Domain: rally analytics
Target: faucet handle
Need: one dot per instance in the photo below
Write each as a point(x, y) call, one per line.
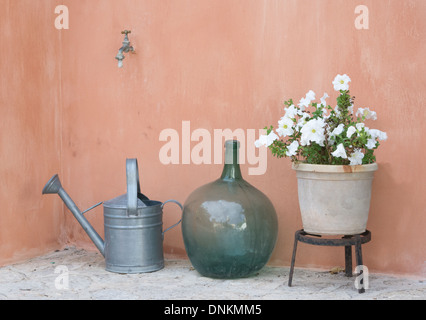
point(126, 32)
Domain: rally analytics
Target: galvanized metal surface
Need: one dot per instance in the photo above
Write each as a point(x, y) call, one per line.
point(133, 226)
point(54, 186)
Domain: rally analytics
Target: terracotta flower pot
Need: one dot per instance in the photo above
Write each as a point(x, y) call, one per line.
point(334, 199)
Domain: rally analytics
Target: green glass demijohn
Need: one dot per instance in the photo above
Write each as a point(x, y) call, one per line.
point(229, 227)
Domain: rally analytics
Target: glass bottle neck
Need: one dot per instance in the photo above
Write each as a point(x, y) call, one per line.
point(231, 169)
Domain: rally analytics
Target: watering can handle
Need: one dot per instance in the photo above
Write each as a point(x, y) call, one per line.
point(133, 186)
point(181, 207)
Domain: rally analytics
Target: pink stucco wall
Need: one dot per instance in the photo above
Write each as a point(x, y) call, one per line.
point(30, 129)
point(219, 64)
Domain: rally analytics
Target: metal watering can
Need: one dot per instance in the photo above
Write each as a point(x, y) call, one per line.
point(133, 226)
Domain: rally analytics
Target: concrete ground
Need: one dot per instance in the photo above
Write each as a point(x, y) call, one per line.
point(75, 274)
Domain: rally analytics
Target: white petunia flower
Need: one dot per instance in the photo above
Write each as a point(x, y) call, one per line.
point(266, 140)
point(371, 143)
point(306, 101)
point(356, 157)
point(323, 103)
point(260, 142)
point(291, 111)
point(332, 135)
point(367, 113)
point(285, 127)
point(310, 95)
point(271, 138)
point(359, 126)
point(325, 96)
point(340, 152)
point(338, 130)
point(341, 82)
point(313, 131)
point(350, 132)
point(337, 111)
point(304, 118)
point(292, 149)
point(382, 136)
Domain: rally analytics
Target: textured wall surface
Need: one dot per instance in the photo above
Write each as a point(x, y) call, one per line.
point(30, 129)
point(217, 64)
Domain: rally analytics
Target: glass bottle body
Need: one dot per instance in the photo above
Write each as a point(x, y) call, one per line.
point(229, 227)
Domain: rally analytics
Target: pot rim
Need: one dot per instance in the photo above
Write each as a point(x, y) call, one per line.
point(302, 166)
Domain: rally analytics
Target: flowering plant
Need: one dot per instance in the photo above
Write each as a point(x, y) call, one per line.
point(316, 133)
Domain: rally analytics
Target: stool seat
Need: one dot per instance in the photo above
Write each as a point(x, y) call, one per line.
point(346, 241)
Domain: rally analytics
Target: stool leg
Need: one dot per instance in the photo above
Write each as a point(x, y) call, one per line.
point(293, 259)
point(358, 252)
point(348, 258)
point(348, 261)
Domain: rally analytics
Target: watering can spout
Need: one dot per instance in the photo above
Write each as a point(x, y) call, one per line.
point(54, 186)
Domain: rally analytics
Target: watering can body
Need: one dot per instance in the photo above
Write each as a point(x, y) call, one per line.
point(133, 226)
point(133, 243)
